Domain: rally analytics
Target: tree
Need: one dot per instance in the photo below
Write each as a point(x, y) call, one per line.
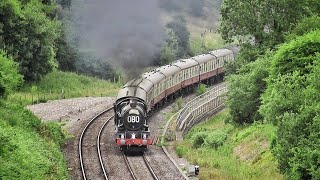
point(169, 49)
point(262, 23)
point(9, 75)
point(291, 102)
point(66, 55)
point(28, 33)
point(179, 27)
point(245, 89)
point(93, 66)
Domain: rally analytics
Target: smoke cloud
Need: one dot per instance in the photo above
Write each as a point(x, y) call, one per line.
point(126, 33)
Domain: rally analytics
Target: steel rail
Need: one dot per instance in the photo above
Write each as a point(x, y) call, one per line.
point(81, 138)
point(150, 168)
point(129, 167)
point(99, 150)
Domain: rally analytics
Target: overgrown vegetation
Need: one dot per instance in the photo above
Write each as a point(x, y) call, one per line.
point(60, 85)
point(9, 74)
point(202, 88)
point(292, 102)
point(29, 149)
point(177, 44)
point(190, 29)
point(225, 151)
point(278, 86)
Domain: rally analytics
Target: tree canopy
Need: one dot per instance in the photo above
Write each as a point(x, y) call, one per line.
point(263, 23)
point(9, 75)
point(28, 32)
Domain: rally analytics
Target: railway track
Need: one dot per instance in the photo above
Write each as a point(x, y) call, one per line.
point(138, 165)
point(90, 139)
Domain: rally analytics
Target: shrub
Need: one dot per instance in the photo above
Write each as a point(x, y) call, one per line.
point(9, 75)
point(216, 138)
point(292, 102)
point(202, 88)
point(245, 90)
point(198, 139)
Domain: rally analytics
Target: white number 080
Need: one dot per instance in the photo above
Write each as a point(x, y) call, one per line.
point(133, 119)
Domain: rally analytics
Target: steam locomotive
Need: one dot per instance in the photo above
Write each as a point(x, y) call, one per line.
point(140, 96)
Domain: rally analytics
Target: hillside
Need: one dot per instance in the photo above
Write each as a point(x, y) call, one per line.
point(63, 85)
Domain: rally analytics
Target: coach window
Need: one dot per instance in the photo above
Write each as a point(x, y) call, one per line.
point(192, 71)
point(172, 80)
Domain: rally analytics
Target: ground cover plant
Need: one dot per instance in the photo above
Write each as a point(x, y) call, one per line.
point(29, 148)
point(225, 151)
point(60, 85)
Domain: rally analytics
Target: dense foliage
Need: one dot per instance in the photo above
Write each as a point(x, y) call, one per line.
point(28, 32)
point(293, 63)
point(89, 64)
point(265, 22)
point(177, 41)
point(9, 75)
point(225, 151)
point(245, 89)
point(29, 149)
point(280, 86)
point(292, 102)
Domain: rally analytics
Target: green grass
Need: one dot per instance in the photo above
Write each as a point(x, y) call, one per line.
point(208, 42)
point(29, 149)
point(59, 85)
point(224, 151)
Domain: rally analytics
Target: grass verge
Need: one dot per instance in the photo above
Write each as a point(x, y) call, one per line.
point(61, 85)
point(225, 151)
point(29, 149)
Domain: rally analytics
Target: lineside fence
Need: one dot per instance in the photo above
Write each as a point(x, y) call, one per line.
point(201, 107)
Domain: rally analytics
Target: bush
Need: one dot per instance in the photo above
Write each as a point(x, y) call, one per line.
point(202, 88)
point(9, 75)
point(291, 65)
point(198, 139)
point(245, 89)
point(215, 138)
point(292, 102)
point(296, 55)
point(305, 26)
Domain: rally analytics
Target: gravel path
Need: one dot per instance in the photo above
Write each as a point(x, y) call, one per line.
point(73, 112)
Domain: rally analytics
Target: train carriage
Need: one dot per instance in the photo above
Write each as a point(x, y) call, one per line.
point(139, 96)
